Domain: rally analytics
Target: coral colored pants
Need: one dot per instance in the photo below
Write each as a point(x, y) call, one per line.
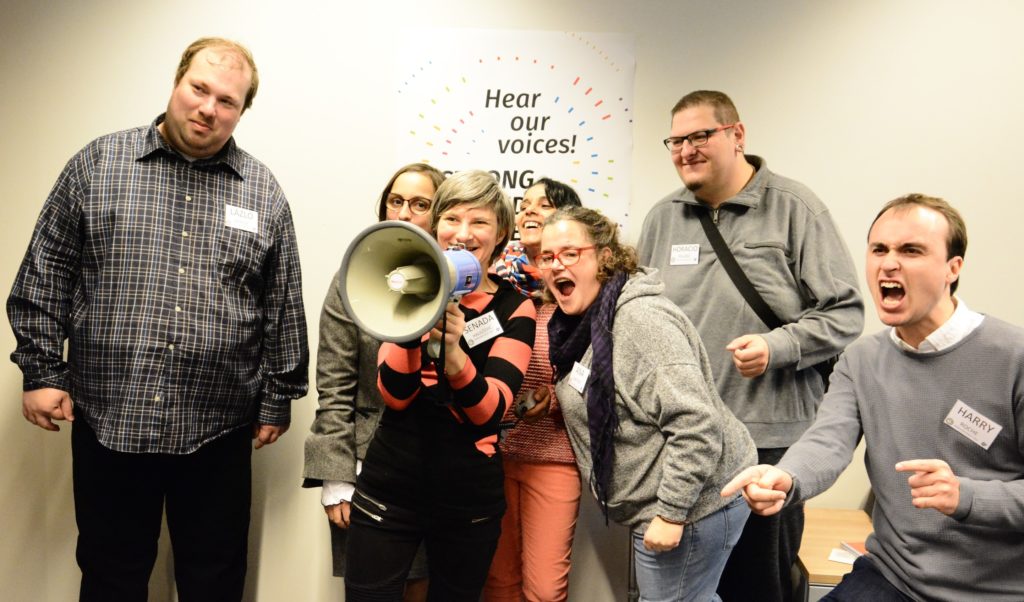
point(532, 561)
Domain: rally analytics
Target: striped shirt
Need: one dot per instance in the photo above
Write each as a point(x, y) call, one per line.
point(442, 453)
point(177, 287)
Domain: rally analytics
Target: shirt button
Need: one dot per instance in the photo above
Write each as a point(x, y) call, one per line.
point(188, 197)
point(184, 233)
point(181, 270)
point(177, 308)
point(171, 346)
point(157, 398)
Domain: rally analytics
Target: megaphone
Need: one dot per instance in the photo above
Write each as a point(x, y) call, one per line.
point(395, 280)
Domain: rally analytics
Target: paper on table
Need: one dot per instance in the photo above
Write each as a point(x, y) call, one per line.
point(843, 556)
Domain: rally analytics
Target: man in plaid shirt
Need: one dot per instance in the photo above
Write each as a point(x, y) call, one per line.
point(166, 257)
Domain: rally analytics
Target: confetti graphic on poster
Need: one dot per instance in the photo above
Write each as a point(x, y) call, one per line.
point(522, 105)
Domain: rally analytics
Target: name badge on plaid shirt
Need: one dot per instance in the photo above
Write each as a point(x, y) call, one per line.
point(241, 219)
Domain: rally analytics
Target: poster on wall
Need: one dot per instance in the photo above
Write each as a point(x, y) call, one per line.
point(522, 105)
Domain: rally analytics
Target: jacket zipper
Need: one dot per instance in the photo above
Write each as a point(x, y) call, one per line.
point(379, 505)
point(714, 216)
point(375, 517)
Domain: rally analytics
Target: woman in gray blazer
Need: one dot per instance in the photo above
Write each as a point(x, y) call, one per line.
point(346, 379)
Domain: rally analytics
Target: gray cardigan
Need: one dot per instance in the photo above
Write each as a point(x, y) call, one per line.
point(677, 444)
point(350, 404)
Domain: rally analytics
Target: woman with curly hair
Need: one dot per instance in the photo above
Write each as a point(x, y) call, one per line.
point(651, 434)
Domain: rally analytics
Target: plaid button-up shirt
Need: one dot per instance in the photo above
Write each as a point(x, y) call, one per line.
point(177, 287)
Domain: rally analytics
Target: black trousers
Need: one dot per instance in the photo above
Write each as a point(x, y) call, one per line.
point(383, 540)
point(760, 566)
point(119, 504)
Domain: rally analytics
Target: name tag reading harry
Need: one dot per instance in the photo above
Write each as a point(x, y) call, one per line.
point(241, 219)
point(578, 377)
point(481, 329)
point(969, 423)
point(684, 255)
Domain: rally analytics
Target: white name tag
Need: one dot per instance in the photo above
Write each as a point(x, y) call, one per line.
point(969, 423)
point(685, 255)
point(241, 219)
point(481, 329)
point(578, 377)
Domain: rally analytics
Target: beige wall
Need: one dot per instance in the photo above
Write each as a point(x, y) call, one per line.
point(862, 101)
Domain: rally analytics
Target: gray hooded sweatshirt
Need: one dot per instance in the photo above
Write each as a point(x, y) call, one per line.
point(677, 444)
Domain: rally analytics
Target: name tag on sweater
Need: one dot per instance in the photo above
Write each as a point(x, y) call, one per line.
point(241, 219)
point(481, 329)
point(578, 377)
point(684, 255)
point(969, 423)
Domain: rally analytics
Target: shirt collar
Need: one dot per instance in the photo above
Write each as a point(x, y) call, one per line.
point(962, 323)
point(229, 157)
point(749, 196)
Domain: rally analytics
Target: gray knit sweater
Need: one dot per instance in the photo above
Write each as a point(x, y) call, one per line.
point(677, 444)
point(900, 401)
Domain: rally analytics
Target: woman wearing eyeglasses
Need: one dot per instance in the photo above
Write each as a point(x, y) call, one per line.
point(651, 434)
point(433, 472)
point(542, 484)
point(346, 378)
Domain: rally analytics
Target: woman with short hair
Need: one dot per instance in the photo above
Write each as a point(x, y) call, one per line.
point(433, 472)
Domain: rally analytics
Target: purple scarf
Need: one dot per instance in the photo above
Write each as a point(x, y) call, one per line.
point(569, 337)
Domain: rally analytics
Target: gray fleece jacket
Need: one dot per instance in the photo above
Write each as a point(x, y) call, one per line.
point(787, 244)
point(677, 444)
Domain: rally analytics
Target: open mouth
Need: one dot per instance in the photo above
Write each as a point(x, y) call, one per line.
point(565, 286)
point(531, 225)
point(892, 293)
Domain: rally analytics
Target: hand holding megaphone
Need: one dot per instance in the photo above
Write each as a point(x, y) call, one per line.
point(450, 329)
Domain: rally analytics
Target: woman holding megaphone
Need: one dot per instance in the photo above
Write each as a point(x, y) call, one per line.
point(432, 472)
point(346, 378)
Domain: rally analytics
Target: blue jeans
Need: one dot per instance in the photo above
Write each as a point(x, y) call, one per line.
point(690, 571)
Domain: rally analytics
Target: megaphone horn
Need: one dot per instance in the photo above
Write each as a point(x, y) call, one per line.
point(395, 280)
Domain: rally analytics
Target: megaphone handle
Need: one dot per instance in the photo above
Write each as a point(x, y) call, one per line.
point(444, 391)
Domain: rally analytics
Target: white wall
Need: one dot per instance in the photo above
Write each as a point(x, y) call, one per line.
point(862, 101)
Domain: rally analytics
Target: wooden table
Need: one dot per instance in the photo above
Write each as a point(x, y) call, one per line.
point(824, 529)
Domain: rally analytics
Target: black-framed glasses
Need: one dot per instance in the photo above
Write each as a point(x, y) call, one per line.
point(696, 139)
point(417, 205)
point(566, 257)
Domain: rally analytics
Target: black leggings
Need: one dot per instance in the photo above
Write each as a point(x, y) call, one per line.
point(383, 540)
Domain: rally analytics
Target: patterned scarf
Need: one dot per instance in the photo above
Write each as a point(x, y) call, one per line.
point(515, 267)
point(569, 338)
